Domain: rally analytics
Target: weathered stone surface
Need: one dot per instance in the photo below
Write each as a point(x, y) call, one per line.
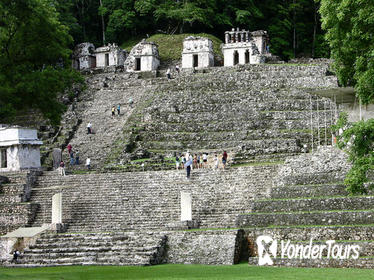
point(56, 157)
point(151, 200)
point(204, 247)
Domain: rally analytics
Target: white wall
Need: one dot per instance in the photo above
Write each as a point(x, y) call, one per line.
point(149, 63)
point(204, 60)
point(228, 56)
point(22, 157)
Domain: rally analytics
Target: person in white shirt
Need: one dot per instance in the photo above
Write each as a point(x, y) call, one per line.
point(216, 161)
point(89, 128)
point(88, 163)
point(205, 160)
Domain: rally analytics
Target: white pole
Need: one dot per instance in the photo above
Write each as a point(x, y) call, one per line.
point(324, 106)
point(359, 100)
point(311, 120)
point(319, 141)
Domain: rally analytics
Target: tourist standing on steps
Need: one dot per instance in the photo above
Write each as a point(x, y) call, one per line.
point(88, 163)
point(113, 111)
point(69, 147)
point(72, 159)
point(177, 68)
point(131, 102)
point(215, 161)
point(62, 168)
point(168, 74)
point(224, 159)
point(119, 109)
point(205, 160)
point(177, 161)
point(77, 157)
point(188, 167)
point(89, 128)
point(183, 161)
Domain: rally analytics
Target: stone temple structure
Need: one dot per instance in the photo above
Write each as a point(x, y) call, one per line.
point(110, 55)
point(143, 57)
point(244, 47)
point(84, 56)
point(197, 52)
point(19, 149)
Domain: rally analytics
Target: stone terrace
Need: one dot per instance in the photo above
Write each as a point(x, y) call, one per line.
point(259, 112)
point(310, 201)
point(150, 200)
point(104, 90)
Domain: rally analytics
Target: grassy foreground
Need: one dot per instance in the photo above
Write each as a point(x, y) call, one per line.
point(241, 271)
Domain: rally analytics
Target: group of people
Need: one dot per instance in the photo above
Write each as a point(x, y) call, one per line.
point(118, 107)
point(74, 160)
point(118, 110)
point(198, 161)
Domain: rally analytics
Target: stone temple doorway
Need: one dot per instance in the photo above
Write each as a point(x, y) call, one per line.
point(246, 54)
point(236, 57)
point(195, 60)
point(3, 158)
point(137, 64)
point(107, 59)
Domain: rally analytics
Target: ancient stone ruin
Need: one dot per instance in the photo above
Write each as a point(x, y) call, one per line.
point(143, 57)
point(110, 55)
point(84, 56)
point(19, 149)
point(197, 52)
point(244, 47)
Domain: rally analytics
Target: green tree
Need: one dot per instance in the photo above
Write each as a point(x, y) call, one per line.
point(349, 29)
point(34, 59)
point(357, 140)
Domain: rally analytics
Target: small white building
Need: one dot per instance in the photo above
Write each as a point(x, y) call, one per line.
point(19, 148)
point(84, 56)
point(197, 52)
point(143, 57)
point(244, 47)
point(110, 55)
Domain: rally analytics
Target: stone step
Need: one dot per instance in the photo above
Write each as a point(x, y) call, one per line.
point(6, 199)
point(310, 204)
point(353, 217)
point(337, 189)
point(364, 232)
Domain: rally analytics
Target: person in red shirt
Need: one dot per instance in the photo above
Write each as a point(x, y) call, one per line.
point(69, 147)
point(224, 159)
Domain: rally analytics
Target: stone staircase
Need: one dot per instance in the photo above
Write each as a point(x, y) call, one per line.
point(104, 91)
point(310, 201)
point(261, 113)
point(15, 210)
point(121, 248)
point(150, 200)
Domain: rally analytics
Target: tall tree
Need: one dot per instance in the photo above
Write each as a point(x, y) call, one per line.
point(34, 58)
point(349, 29)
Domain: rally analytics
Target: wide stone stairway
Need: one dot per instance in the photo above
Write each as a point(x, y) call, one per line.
point(150, 200)
point(309, 201)
point(259, 113)
point(121, 248)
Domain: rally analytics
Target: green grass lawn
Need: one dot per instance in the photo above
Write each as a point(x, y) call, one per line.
point(241, 271)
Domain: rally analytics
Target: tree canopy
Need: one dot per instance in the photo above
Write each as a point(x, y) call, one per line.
point(349, 29)
point(34, 58)
point(294, 26)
